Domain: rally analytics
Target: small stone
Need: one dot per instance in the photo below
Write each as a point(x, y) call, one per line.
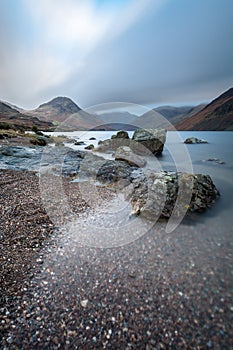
point(84, 303)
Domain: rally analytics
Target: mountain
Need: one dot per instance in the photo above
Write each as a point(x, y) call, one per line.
point(58, 109)
point(176, 114)
point(217, 115)
point(19, 109)
point(9, 116)
point(165, 116)
point(64, 112)
point(118, 120)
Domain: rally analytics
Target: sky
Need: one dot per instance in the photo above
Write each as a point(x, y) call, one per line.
point(148, 52)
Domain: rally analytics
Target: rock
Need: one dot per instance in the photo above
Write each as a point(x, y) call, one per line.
point(121, 135)
point(147, 141)
point(90, 147)
point(126, 154)
point(30, 158)
point(111, 145)
point(84, 303)
point(154, 195)
point(193, 140)
point(116, 141)
point(90, 165)
point(215, 160)
point(79, 143)
point(92, 138)
point(39, 141)
point(113, 171)
point(19, 151)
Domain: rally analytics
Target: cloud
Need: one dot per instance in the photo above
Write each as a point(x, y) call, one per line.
point(59, 38)
point(145, 51)
point(177, 56)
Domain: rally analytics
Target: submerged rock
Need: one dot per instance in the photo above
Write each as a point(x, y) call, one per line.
point(193, 140)
point(215, 160)
point(90, 147)
point(148, 141)
point(126, 154)
point(154, 195)
point(79, 143)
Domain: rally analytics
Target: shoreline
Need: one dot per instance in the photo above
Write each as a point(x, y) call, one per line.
point(162, 291)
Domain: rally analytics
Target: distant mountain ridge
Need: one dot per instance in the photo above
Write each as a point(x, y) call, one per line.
point(65, 114)
point(176, 114)
point(217, 115)
point(12, 117)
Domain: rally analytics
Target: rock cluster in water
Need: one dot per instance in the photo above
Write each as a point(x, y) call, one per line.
point(151, 194)
point(193, 140)
point(143, 142)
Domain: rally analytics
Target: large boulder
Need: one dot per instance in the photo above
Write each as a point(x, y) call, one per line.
point(147, 141)
point(126, 154)
point(154, 195)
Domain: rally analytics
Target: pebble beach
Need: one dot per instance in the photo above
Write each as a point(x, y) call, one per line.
point(162, 291)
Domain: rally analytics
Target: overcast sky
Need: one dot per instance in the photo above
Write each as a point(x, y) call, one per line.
point(148, 52)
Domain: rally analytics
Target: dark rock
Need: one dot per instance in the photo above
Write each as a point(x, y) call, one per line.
point(92, 138)
point(79, 143)
point(215, 160)
point(147, 141)
point(121, 135)
point(113, 171)
point(90, 147)
point(193, 140)
point(39, 141)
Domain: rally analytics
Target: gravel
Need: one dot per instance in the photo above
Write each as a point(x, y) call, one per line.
point(162, 291)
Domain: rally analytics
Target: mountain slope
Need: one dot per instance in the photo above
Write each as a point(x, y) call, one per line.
point(68, 115)
point(217, 115)
point(176, 114)
point(12, 117)
point(165, 116)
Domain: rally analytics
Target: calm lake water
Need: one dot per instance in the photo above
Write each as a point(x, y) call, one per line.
point(178, 156)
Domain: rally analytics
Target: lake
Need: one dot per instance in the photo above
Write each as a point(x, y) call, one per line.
point(178, 156)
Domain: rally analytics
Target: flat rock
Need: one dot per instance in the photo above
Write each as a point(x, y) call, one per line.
point(126, 154)
point(111, 145)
